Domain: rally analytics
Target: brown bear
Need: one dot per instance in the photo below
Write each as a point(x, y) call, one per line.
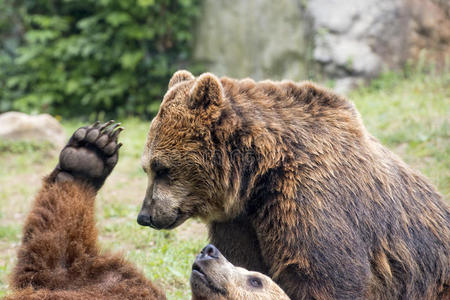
point(291, 184)
point(60, 258)
point(213, 277)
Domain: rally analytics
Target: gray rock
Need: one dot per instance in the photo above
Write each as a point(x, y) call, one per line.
point(342, 55)
point(18, 126)
point(346, 32)
point(334, 39)
point(255, 38)
point(345, 84)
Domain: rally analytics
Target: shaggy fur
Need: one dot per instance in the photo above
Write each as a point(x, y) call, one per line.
point(291, 184)
point(59, 257)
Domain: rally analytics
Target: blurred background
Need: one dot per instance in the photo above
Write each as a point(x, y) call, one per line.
point(64, 63)
point(79, 58)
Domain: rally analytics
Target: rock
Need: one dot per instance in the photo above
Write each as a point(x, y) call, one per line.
point(256, 38)
point(346, 84)
point(319, 39)
point(352, 36)
point(18, 126)
point(429, 29)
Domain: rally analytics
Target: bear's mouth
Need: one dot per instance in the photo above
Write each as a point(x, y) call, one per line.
point(196, 268)
point(198, 274)
point(180, 218)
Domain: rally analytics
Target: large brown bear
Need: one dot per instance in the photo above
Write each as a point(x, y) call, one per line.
point(291, 184)
point(60, 258)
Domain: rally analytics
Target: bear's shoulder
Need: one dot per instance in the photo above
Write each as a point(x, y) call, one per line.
point(285, 92)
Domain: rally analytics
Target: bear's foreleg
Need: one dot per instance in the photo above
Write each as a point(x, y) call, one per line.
point(59, 235)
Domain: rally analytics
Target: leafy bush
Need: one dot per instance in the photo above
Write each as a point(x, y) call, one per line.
point(101, 56)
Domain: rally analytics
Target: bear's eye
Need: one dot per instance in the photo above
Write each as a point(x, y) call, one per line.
point(163, 172)
point(159, 168)
point(255, 282)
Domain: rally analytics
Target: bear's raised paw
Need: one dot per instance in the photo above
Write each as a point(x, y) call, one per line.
point(90, 155)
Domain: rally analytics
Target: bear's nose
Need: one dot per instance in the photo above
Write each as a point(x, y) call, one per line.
point(144, 220)
point(210, 252)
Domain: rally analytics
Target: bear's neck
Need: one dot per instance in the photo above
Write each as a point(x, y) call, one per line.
point(281, 127)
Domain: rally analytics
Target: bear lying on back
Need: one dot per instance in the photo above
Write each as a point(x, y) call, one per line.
point(291, 184)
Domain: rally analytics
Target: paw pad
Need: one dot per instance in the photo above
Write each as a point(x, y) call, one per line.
point(91, 153)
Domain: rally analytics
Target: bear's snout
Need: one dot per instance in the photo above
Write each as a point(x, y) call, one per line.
point(208, 258)
point(209, 252)
point(144, 220)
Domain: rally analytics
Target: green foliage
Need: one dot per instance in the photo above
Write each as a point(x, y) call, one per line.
point(110, 57)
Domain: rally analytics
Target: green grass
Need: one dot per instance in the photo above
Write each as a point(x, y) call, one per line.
point(23, 147)
point(9, 232)
point(409, 114)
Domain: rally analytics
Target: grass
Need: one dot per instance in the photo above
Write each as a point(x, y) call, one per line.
point(408, 113)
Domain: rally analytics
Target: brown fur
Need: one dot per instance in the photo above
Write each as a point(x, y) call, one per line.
point(292, 184)
point(59, 257)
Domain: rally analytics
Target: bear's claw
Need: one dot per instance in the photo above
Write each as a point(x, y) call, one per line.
point(90, 155)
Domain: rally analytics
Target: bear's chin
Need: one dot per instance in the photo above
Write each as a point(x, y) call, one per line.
point(202, 286)
point(144, 219)
point(179, 219)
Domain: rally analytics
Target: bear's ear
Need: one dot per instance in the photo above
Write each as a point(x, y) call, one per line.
point(207, 90)
point(180, 76)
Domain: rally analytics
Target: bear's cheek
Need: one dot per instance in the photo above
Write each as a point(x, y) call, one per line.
point(164, 206)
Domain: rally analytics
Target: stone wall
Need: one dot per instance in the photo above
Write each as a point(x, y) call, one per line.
point(347, 41)
point(254, 38)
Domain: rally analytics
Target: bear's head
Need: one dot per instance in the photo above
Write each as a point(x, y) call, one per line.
point(214, 277)
point(185, 156)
